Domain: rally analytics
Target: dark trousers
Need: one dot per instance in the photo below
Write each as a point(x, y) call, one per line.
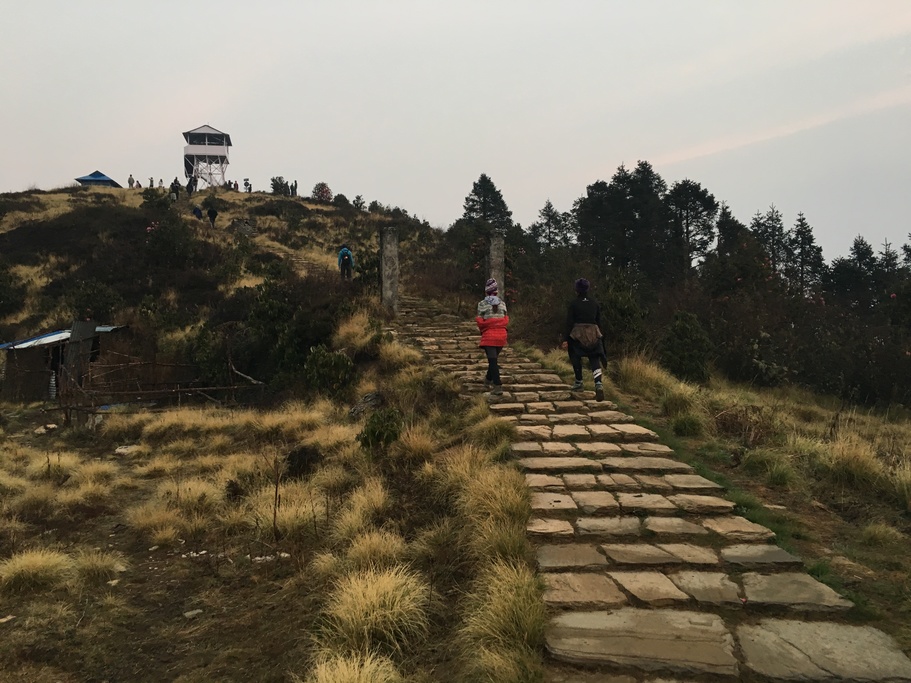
point(346, 271)
point(594, 360)
point(493, 369)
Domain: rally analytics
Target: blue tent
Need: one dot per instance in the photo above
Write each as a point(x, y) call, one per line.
point(98, 178)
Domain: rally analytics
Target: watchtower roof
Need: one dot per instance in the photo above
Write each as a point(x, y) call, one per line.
point(207, 135)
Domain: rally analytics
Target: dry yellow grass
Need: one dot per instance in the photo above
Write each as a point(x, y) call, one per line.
point(352, 668)
point(504, 624)
point(98, 566)
point(638, 375)
point(490, 431)
point(415, 445)
point(36, 502)
point(376, 610)
point(881, 534)
point(364, 506)
point(35, 570)
point(299, 516)
point(376, 549)
point(191, 495)
point(53, 466)
point(394, 355)
point(354, 334)
point(154, 518)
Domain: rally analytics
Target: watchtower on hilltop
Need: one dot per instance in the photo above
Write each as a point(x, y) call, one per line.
point(206, 154)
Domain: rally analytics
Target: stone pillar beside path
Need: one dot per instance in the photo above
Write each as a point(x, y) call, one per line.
point(498, 260)
point(389, 268)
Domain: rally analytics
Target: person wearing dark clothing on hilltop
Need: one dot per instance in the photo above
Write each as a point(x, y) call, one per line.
point(345, 262)
point(582, 337)
point(212, 214)
point(197, 212)
point(492, 320)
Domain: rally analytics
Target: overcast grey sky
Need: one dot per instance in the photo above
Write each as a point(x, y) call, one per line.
point(801, 103)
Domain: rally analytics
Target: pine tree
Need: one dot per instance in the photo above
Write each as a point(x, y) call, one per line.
point(485, 205)
point(769, 229)
point(552, 229)
point(806, 266)
point(730, 230)
point(693, 210)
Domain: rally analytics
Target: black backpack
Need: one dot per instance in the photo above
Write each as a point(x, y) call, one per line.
point(346, 258)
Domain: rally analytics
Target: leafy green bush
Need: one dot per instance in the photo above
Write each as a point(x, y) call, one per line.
point(94, 300)
point(327, 371)
point(170, 243)
point(382, 428)
point(686, 349)
point(687, 425)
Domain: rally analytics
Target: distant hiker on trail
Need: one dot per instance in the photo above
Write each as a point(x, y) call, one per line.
point(236, 186)
point(582, 337)
point(345, 262)
point(151, 182)
point(160, 183)
point(138, 185)
point(175, 190)
point(212, 214)
point(197, 212)
point(130, 181)
point(492, 321)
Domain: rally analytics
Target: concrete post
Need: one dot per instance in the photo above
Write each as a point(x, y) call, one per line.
point(389, 268)
point(498, 260)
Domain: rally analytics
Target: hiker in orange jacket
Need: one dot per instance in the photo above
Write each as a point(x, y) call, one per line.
point(492, 322)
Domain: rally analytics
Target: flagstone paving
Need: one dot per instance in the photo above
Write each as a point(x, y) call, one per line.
point(650, 574)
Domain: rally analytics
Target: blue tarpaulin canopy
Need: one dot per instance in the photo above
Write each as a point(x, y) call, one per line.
point(98, 178)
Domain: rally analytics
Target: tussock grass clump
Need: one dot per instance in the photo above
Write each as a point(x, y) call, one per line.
point(299, 515)
point(12, 530)
point(125, 426)
point(53, 466)
point(395, 355)
point(901, 481)
point(490, 431)
point(376, 610)
point(87, 494)
point(334, 479)
point(35, 570)
point(363, 508)
point(192, 495)
point(680, 400)
point(881, 534)
point(688, 424)
point(639, 375)
point(99, 471)
point(503, 625)
point(495, 506)
point(355, 335)
point(849, 461)
point(456, 467)
point(353, 668)
point(10, 483)
point(155, 519)
point(36, 502)
point(415, 445)
point(376, 549)
point(98, 566)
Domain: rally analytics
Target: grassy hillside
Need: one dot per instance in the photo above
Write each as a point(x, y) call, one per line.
point(310, 538)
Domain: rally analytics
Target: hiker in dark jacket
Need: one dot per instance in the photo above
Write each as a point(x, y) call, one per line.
point(582, 337)
point(345, 262)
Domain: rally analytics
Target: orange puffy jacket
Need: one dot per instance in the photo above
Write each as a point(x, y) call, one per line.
point(493, 331)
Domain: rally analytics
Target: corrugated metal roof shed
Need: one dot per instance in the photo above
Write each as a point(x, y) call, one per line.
point(51, 338)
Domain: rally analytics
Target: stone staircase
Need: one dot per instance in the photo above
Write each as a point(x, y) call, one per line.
point(648, 568)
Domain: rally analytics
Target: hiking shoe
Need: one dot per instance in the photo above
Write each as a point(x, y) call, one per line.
point(487, 384)
point(497, 390)
point(599, 391)
point(577, 385)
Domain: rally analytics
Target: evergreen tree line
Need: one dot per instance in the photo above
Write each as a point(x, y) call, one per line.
point(773, 310)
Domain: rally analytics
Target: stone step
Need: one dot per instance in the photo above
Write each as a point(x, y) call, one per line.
point(678, 483)
point(674, 641)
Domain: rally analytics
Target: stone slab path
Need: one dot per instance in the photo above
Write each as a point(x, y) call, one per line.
point(650, 574)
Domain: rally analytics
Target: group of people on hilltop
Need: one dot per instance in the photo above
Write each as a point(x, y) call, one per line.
point(582, 337)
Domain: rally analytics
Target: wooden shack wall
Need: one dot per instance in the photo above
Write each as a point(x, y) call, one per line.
point(27, 376)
